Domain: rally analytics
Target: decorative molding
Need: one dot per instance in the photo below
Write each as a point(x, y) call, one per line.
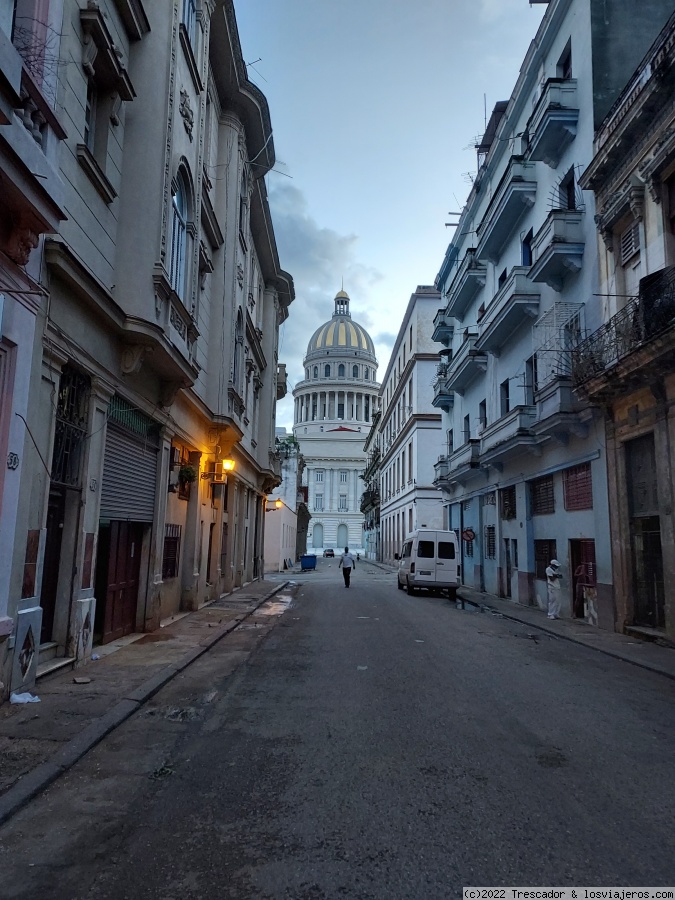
point(190, 59)
point(186, 112)
point(166, 206)
point(100, 55)
point(132, 358)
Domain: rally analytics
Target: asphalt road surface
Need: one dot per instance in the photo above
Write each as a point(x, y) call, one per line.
point(366, 744)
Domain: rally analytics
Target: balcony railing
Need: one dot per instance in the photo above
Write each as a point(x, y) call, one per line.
point(468, 280)
point(558, 247)
point(444, 328)
point(515, 303)
point(553, 124)
point(443, 398)
point(514, 195)
point(514, 425)
point(466, 364)
point(641, 320)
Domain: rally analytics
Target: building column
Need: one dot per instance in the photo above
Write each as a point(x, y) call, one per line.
point(191, 563)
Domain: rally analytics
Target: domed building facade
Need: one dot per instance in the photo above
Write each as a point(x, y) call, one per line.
point(334, 408)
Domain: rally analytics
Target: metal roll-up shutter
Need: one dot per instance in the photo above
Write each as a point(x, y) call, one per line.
point(129, 477)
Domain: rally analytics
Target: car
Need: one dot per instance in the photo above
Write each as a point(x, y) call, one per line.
point(329, 552)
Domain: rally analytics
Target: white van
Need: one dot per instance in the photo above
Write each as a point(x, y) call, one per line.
point(429, 559)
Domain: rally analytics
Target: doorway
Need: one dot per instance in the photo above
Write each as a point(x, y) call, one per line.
point(317, 537)
point(508, 568)
point(56, 514)
point(342, 537)
point(582, 559)
point(117, 579)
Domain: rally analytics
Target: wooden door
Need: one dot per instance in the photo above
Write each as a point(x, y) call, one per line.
point(122, 581)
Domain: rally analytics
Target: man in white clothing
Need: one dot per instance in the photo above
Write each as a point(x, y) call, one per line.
point(347, 564)
point(554, 590)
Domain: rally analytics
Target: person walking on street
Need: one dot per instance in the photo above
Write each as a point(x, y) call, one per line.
point(553, 588)
point(346, 564)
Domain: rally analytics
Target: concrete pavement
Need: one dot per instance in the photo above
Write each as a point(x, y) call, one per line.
point(40, 741)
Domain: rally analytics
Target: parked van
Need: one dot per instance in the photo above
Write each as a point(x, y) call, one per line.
point(429, 559)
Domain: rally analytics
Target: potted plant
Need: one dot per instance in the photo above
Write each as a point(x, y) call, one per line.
point(187, 474)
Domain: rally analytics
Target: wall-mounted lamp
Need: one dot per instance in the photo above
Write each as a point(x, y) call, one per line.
point(277, 505)
point(218, 471)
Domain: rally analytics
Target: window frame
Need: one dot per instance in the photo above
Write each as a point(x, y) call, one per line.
point(578, 496)
point(542, 496)
point(171, 551)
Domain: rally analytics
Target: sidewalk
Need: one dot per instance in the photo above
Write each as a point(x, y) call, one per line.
point(642, 653)
point(40, 741)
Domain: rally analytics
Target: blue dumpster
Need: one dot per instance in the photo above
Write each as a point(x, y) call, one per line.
point(308, 561)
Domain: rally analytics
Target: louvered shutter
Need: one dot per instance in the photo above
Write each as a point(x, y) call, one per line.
point(129, 477)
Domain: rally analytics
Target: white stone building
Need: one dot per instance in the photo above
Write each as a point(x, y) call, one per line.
point(334, 407)
point(411, 435)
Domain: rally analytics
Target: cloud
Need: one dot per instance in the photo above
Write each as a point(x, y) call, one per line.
point(318, 258)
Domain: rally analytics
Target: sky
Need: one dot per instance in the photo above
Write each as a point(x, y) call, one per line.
point(375, 106)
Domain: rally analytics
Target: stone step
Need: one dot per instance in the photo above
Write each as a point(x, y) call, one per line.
point(47, 651)
point(54, 665)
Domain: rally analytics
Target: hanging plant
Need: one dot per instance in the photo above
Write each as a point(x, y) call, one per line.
point(187, 474)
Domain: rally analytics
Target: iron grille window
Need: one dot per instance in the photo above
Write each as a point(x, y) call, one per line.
point(171, 551)
point(71, 427)
point(541, 492)
point(578, 487)
point(489, 499)
point(468, 548)
point(507, 502)
point(630, 243)
point(544, 552)
point(490, 542)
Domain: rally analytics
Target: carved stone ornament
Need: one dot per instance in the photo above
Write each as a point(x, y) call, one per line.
point(22, 240)
point(636, 198)
point(240, 275)
point(115, 109)
point(132, 358)
point(186, 112)
point(167, 393)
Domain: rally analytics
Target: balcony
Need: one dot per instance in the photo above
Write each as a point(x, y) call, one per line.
point(553, 124)
point(468, 280)
point(282, 381)
point(443, 398)
point(558, 248)
point(459, 467)
point(634, 347)
point(467, 363)
point(558, 411)
point(515, 194)
point(444, 329)
point(508, 437)
point(515, 303)
point(369, 500)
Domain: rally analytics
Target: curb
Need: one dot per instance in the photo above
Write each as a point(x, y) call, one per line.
point(573, 640)
point(39, 778)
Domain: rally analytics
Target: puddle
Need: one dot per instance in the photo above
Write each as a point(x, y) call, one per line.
point(276, 607)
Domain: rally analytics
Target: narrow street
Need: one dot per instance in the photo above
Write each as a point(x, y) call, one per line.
point(365, 744)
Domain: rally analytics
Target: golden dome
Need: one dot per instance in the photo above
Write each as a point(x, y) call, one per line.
point(341, 333)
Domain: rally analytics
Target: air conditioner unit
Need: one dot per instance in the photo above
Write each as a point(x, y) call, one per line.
point(215, 473)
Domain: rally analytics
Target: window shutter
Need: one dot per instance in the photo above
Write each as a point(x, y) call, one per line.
point(630, 243)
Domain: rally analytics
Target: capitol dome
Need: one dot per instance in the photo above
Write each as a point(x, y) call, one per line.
point(341, 334)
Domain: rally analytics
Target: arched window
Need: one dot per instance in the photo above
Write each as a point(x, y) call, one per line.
point(179, 217)
point(341, 371)
point(307, 372)
point(355, 372)
point(367, 373)
point(316, 371)
point(326, 371)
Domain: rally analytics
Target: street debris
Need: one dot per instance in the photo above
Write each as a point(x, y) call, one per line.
point(162, 772)
point(81, 679)
point(95, 657)
point(418, 641)
point(362, 668)
point(24, 698)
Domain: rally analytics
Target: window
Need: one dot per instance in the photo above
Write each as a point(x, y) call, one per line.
point(70, 434)
point(489, 499)
point(367, 373)
point(318, 503)
point(237, 363)
point(306, 373)
point(501, 280)
point(178, 236)
point(341, 411)
point(514, 552)
point(355, 371)
point(467, 429)
point(319, 474)
point(530, 379)
point(343, 503)
point(243, 208)
point(542, 496)
point(316, 371)
point(410, 461)
point(410, 341)
point(578, 487)
point(567, 191)
point(482, 414)
point(190, 19)
point(490, 542)
point(446, 550)
point(468, 548)
point(343, 477)
point(326, 371)
point(451, 442)
point(341, 371)
point(544, 552)
point(526, 249)
point(507, 502)
point(171, 555)
point(630, 242)
point(425, 550)
point(504, 399)
point(564, 67)
point(90, 116)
